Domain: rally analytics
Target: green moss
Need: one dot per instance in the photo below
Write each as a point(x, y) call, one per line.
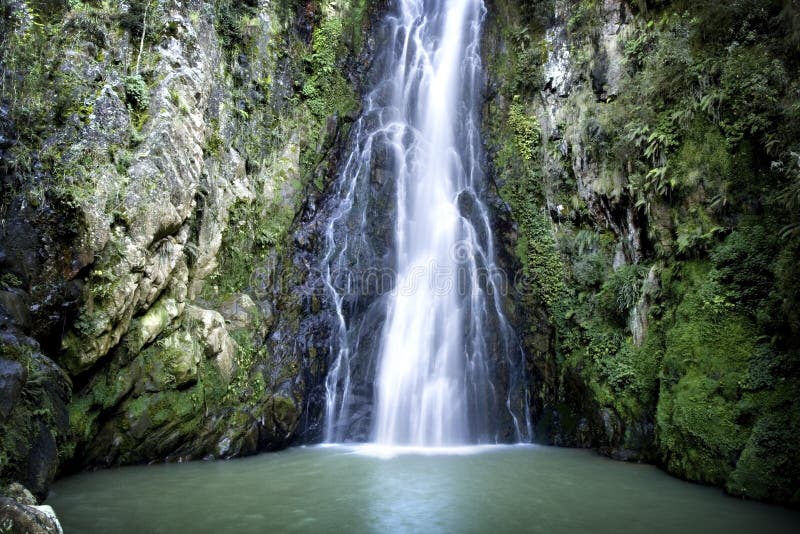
point(584, 19)
point(354, 22)
point(165, 407)
point(214, 142)
point(255, 229)
point(326, 91)
point(18, 431)
point(38, 406)
point(768, 466)
point(283, 409)
point(706, 361)
point(235, 22)
point(542, 262)
point(696, 149)
point(82, 417)
point(144, 329)
point(745, 265)
point(285, 147)
point(535, 246)
point(698, 430)
point(702, 159)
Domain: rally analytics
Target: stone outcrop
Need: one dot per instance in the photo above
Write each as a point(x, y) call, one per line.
point(615, 143)
point(143, 278)
point(17, 518)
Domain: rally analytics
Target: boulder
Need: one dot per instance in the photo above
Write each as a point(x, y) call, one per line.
point(209, 327)
point(239, 311)
point(13, 376)
point(18, 518)
point(20, 493)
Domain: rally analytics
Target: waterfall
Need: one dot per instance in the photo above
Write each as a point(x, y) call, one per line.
point(430, 360)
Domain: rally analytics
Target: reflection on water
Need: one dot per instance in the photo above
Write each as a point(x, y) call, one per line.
point(368, 489)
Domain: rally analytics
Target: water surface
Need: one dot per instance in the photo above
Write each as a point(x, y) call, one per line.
point(339, 489)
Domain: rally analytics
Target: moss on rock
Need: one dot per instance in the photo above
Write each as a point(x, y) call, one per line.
point(641, 190)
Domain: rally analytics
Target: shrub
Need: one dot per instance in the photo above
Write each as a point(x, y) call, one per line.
point(625, 285)
point(137, 92)
point(744, 262)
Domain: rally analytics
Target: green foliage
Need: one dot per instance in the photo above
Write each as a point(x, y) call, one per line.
point(584, 20)
point(542, 266)
point(255, 229)
point(696, 232)
point(535, 14)
point(698, 152)
point(324, 43)
point(39, 94)
point(134, 21)
point(630, 375)
point(751, 81)
point(625, 286)
point(526, 130)
point(82, 418)
point(745, 262)
point(706, 362)
point(702, 160)
point(589, 270)
point(38, 406)
point(527, 57)
point(137, 92)
point(784, 312)
point(667, 67)
point(246, 355)
point(238, 256)
point(10, 280)
point(542, 262)
point(769, 466)
point(697, 429)
point(325, 89)
point(518, 163)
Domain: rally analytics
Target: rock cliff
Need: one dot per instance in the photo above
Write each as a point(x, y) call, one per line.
point(155, 156)
point(166, 170)
point(645, 155)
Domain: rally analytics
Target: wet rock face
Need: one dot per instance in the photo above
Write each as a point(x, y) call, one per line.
point(619, 239)
point(608, 65)
point(155, 269)
point(558, 71)
point(578, 68)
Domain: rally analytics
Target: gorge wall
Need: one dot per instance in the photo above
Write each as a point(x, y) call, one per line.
point(647, 154)
point(155, 155)
point(166, 167)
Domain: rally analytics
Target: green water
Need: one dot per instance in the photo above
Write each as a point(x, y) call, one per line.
point(335, 489)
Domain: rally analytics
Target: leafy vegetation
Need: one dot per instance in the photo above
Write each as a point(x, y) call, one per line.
point(137, 92)
point(694, 154)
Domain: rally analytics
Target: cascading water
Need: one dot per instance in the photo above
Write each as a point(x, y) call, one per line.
point(430, 360)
